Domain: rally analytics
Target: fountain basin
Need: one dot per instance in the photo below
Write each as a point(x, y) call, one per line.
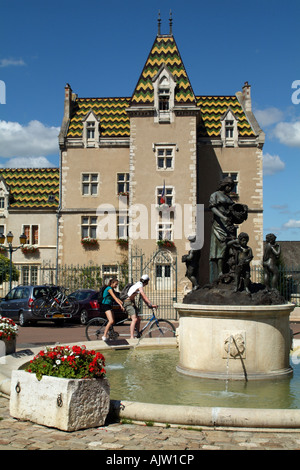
point(248, 342)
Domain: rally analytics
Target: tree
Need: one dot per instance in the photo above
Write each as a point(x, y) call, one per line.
point(4, 270)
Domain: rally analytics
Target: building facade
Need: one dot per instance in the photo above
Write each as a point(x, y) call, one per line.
point(28, 204)
point(141, 168)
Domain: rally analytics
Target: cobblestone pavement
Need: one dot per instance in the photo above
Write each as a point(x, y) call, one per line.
point(24, 435)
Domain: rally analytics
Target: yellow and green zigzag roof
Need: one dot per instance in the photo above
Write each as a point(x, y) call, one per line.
point(164, 52)
point(114, 120)
point(31, 187)
point(213, 108)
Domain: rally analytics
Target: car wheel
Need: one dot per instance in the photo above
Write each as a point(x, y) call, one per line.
point(22, 320)
point(84, 317)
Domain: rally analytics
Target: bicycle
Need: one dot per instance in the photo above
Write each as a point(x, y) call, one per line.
point(157, 327)
point(55, 303)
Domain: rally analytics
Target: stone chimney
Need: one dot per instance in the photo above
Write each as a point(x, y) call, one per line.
point(247, 97)
point(68, 101)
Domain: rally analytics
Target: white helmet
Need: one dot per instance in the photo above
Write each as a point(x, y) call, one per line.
point(145, 277)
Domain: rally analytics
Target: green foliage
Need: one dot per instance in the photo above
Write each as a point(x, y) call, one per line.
point(4, 270)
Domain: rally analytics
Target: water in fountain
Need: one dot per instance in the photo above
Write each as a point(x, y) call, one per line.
point(150, 376)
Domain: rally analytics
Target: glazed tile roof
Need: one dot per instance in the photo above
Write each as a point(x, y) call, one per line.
point(164, 51)
point(31, 187)
point(114, 121)
point(213, 108)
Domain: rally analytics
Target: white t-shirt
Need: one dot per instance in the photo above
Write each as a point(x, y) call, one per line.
point(135, 288)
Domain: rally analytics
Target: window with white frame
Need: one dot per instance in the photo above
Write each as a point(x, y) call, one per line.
point(165, 231)
point(89, 184)
point(229, 129)
point(108, 272)
point(91, 134)
point(123, 183)
point(165, 158)
point(2, 203)
point(90, 130)
point(88, 226)
point(167, 198)
point(32, 234)
point(29, 275)
point(164, 85)
point(123, 224)
point(235, 177)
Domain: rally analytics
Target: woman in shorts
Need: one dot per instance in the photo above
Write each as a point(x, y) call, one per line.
point(108, 299)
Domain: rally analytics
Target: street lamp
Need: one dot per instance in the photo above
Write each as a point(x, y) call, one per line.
point(9, 239)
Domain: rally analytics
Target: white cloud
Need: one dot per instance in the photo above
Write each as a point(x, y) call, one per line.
point(267, 117)
point(288, 133)
point(272, 164)
point(32, 140)
point(292, 223)
point(27, 162)
point(11, 63)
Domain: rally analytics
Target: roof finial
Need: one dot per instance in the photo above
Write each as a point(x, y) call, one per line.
point(159, 22)
point(171, 23)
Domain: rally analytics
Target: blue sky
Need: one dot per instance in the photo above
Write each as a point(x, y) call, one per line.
point(100, 49)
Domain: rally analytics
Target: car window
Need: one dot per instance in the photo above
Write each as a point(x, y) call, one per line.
point(11, 294)
point(81, 295)
point(19, 293)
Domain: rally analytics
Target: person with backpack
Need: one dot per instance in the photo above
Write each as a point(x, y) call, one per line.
point(130, 306)
point(108, 299)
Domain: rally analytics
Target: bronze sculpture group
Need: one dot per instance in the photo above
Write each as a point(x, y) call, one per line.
point(230, 255)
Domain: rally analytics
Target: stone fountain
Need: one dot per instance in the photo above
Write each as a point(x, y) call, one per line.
point(233, 328)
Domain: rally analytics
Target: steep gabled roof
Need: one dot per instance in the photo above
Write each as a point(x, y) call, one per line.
point(163, 52)
point(114, 121)
point(32, 187)
point(213, 108)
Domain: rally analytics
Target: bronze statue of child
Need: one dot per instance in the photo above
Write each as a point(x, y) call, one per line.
point(243, 256)
point(271, 254)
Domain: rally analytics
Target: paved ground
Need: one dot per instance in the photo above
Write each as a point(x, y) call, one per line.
point(115, 437)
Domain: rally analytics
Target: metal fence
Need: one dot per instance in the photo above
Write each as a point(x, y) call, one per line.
point(161, 267)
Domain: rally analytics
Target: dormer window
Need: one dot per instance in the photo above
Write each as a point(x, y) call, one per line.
point(91, 133)
point(164, 99)
point(229, 129)
point(90, 130)
point(164, 92)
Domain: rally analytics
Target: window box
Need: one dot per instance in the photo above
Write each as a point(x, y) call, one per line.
point(3, 249)
point(89, 242)
point(29, 249)
point(165, 244)
point(122, 242)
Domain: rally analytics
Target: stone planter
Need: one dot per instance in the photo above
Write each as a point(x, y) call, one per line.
point(65, 404)
point(7, 347)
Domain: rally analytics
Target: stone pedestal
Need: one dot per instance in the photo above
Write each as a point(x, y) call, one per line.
point(234, 342)
point(66, 404)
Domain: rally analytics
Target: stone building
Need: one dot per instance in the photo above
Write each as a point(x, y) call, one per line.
point(28, 204)
point(139, 165)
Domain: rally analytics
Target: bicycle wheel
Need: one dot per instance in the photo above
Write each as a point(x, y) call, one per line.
point(40, 306)
point(95, 328)
point(161, 328)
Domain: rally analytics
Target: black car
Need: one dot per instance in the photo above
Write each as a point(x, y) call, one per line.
point(89, 306)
